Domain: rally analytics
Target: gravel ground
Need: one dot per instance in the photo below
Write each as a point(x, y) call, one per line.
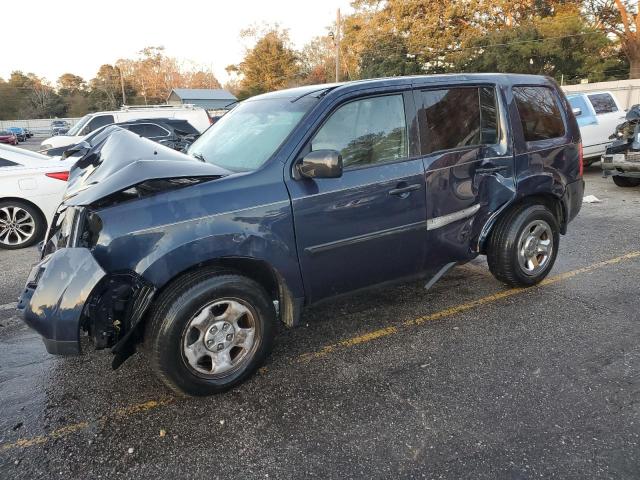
point(525, 384)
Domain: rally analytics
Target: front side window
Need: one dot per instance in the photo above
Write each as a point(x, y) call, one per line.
point(77, 127)
point(367, 131)
point(603, 103)
point(458, 117)
point(97, 122)
point(539, 113)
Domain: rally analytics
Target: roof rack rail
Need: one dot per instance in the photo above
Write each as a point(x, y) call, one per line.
point(156, 107)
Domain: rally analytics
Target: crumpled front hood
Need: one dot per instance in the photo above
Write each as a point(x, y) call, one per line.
point(122, 160)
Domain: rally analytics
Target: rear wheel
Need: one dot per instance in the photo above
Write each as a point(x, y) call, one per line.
point(209, 332)
point(625, 181)
point(21, 225)
point(524, 245)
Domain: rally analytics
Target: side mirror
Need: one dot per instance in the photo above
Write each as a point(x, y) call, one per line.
point(577, 112)
point(321, 164)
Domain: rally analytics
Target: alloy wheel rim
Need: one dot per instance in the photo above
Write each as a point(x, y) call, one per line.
point(17, 226)
point(220, 339)
point(535, 247)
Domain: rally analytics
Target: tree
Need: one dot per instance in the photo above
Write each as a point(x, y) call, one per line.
point(105, 89)
point(70, 83)
point(271, 64)
point(318, 60)
point(562, 45)
point(621, 19)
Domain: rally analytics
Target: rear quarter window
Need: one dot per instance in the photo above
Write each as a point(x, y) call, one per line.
point(539, 112)
point(603, 103)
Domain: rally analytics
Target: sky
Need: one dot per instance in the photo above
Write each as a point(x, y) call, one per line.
point(78, 36)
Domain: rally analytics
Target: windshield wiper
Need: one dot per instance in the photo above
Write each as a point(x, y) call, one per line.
point(199, 156)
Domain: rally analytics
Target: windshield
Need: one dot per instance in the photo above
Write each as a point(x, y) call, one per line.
point(247, 136)
point(78, 126)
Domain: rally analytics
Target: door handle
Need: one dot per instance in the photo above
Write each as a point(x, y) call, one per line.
point(404, 191)
point(490, 170)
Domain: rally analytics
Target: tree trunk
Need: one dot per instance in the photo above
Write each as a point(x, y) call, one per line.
point(634, 67)
point(633, 54)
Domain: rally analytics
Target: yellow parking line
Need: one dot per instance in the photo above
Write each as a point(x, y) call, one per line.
point(347, 343)
point(448, 312)
point(74, 427)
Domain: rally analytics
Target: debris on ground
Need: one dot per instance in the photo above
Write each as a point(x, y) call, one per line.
point(591, 199)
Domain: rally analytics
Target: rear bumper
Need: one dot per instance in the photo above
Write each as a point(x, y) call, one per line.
point(55, 294)
point(572, 200)
point(626, 164)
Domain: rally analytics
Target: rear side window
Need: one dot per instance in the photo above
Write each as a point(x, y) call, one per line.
point(539, 113)
point(603, 103)
point(136, 128)
point(7, 163)
point(183, 126)
point(153, 131)
point(458, 117)
point(367, 131)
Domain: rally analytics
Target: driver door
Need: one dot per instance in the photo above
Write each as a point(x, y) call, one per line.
point(368, 226)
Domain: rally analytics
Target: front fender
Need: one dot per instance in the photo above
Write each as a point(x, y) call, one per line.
point(159, 254)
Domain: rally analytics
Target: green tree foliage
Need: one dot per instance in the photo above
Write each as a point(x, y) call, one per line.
point(562, 45)
point(399, 37)
point(271, 64)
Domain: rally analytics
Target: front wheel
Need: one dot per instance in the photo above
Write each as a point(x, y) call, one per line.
point(625, 182)
point(523, 245)
point(209, 331)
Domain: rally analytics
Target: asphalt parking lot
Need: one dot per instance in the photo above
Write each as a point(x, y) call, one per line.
point(468, 380)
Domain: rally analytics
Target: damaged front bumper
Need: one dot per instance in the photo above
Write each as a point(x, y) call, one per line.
point(54, 297)
point(624, 164)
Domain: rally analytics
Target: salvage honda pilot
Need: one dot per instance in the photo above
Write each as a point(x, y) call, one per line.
point(294, 197)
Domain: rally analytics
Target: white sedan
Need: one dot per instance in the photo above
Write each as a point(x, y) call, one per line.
point(31, 188)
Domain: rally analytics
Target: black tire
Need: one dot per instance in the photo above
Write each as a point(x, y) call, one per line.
point(38, 230)
point(172, 313)
point(625, 182)
point(503, 254)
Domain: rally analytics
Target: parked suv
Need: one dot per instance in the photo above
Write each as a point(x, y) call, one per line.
point(294, 197)
point(171, 132)
point(196, 116)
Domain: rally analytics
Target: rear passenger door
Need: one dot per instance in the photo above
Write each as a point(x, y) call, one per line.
point(468, 163)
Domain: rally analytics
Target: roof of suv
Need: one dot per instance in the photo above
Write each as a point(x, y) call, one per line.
point(504, 78)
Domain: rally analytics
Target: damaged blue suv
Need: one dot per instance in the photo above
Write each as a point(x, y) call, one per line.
point(294, 197)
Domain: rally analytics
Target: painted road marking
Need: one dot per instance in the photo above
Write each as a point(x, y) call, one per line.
point(349, 342)
point(8, 306)
point(448, 312)
point(74, 427)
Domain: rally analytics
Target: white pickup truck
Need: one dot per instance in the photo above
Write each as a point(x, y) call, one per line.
point(598, 114)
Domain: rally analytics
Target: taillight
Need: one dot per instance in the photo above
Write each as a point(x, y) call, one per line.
point(64, 176)
point(580, 160)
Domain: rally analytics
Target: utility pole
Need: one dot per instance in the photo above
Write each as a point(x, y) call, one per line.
point(337, 42)
point(124, 98)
